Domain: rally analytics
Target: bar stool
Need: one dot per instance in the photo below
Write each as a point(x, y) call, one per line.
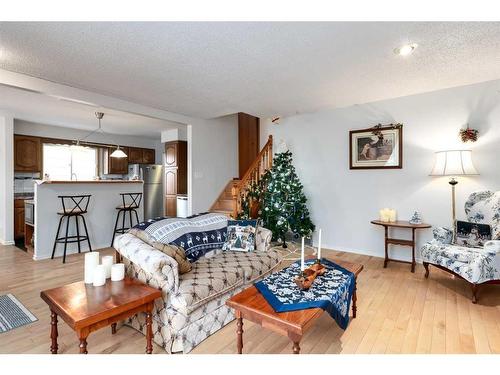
point(130, 202)
point(73, 206)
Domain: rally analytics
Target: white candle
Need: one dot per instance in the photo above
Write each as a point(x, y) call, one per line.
point(117, 272)
point(319, 244)
point(302, 265)
point(91, 261)
point(392, 215)
point(99, 275)
point(107, 262)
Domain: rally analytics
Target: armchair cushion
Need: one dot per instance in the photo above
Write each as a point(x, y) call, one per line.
point(484, 207)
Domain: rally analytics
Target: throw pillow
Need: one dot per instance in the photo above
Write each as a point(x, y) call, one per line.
point(176, 252)
point(240, 235)
point(472, 234)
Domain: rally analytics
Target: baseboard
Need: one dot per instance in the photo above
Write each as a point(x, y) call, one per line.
point(418, 259)
point(6, 243)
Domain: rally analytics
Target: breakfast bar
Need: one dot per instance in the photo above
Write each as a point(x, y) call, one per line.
point(100, 216)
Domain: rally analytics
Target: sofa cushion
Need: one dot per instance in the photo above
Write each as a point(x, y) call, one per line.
point(240, 235)
point(176, 252)
point(212, 277)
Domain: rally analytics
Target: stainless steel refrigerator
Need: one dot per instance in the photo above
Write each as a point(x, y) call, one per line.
point(152, 175)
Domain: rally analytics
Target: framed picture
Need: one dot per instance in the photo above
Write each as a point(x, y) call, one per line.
point(376, 148)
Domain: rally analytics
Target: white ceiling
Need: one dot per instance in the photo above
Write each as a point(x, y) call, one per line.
point(39, 108)
point(212, 69)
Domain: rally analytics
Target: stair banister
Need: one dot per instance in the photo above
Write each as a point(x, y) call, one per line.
point(262, 162)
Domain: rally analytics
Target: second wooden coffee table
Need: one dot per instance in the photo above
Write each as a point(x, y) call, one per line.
point(86, 308)
point(251, 305)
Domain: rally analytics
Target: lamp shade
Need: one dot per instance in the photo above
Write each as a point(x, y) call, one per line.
point(118, 153)
point(453, 163)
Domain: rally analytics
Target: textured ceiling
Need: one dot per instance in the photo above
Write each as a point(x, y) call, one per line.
point(212, 69)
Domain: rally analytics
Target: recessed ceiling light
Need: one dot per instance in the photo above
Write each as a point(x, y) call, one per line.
point(406, 49)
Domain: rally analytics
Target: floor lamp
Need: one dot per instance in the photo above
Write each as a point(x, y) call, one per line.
point(453, 163)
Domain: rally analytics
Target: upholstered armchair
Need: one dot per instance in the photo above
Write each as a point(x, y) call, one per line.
point(477, 266)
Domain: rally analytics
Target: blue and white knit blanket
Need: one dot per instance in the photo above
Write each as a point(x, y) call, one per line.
point(196, 235)
point(332, 291)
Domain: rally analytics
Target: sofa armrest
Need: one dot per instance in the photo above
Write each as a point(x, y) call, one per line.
point(157, 264)
point(442, 235)
point(263, 239)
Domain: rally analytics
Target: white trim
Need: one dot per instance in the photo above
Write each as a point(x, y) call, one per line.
point(6, 243)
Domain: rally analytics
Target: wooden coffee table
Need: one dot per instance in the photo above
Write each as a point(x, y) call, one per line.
point(86, 308)
point(251, 305)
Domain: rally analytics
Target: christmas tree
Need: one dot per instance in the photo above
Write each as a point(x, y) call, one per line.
point(284, 206)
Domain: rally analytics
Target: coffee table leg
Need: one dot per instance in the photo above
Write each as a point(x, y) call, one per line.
point(113, 328)
point(296, 347)
point(149, 332)
point(296, 341)
point(82, 336)
point(354, 299)
point(239, 332)
point(53, 332)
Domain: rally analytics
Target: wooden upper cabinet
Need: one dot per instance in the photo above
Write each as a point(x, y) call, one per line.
point(116, 165)
point(141, 156)
point(134, 155)
point(171, 154)
point(148, 156)
point(27, 154)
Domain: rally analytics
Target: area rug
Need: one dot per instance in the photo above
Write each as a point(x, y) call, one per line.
point(13, 314)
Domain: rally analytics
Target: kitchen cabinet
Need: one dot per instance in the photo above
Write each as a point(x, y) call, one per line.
point(115, 165)
point(141, 156)
point(175, 174)
point(18, 218)
point(27, 154)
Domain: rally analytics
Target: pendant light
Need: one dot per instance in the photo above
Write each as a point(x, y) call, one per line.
point(117, 153)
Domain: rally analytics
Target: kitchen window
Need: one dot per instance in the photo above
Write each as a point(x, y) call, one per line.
point(69, 162)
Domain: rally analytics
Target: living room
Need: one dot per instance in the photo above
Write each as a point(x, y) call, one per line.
point(326, 187)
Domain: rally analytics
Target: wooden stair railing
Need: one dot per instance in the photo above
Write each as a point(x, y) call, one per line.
point(253, 175)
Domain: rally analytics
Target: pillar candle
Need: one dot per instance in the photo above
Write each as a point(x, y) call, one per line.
point(91, 261)
point(302, 265)
point(117, 272)
point(392, 215)
point(319, 244)
point(107, 262)
point(99, 275)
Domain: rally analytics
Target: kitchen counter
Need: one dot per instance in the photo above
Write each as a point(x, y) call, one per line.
point(93, 182)
point(100, 218)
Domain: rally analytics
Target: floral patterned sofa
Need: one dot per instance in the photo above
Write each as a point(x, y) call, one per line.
point(192, 306)
point(475, 265)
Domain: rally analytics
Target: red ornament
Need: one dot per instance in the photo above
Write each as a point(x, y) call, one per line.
point(468, 134)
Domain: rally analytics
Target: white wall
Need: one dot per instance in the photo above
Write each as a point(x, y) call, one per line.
point(342, 202)
point(213, 154)
point(50, 131)
point(6, 179)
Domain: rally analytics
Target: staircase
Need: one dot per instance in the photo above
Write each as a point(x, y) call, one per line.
point(235, 192)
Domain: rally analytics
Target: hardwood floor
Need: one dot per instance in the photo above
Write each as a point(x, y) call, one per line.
point(398, 312)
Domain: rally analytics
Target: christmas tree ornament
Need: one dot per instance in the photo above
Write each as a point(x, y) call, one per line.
point(284, 202)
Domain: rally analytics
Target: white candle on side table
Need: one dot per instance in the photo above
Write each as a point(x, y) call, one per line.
point(117, 272)
point(99, 275)
point(302, 265)
point(91, 261)
point(107, 262)
point(319, 245)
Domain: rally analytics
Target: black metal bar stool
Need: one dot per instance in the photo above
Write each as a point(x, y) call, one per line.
point(73, 206)
point(130, 203)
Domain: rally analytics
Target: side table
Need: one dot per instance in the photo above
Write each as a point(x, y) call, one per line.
point(397, 241)
point(86, 308)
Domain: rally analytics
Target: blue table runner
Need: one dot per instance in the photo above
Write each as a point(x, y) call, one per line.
point(331, 292)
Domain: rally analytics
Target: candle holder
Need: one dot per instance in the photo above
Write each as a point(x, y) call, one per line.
point(306, 278)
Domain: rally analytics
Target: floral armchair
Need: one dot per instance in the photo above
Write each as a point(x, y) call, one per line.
point(475, 265)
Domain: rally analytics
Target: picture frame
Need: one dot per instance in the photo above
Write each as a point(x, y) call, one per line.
point(380, 147)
